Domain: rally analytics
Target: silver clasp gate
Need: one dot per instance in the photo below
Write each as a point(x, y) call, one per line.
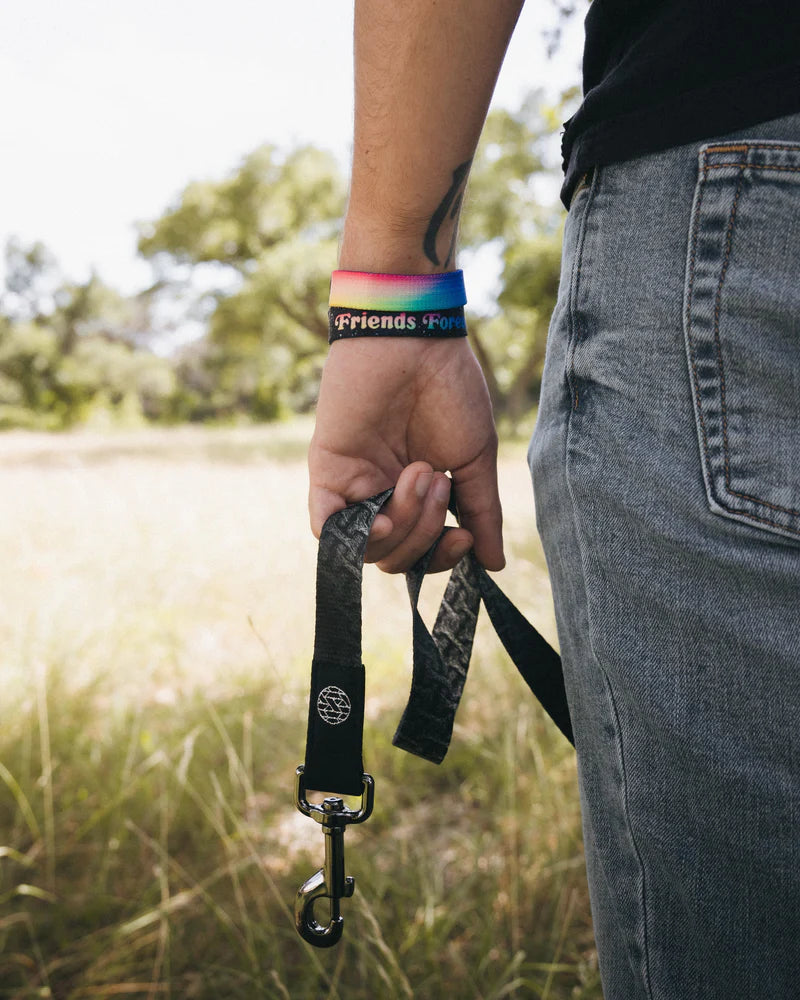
point(330, 881)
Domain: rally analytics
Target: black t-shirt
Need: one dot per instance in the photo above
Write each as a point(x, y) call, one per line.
point(660, 73)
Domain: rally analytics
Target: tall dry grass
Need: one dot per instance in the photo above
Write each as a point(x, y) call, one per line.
point(155, 629)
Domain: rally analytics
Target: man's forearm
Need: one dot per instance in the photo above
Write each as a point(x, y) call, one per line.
point(403, 411)
point(424, 75)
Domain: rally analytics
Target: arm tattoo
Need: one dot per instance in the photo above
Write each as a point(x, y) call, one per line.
point(450, 206)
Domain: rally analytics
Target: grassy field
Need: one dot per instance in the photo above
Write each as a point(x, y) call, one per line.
point(156, 630)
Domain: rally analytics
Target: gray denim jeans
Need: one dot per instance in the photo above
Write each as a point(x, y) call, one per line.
point(666, 468)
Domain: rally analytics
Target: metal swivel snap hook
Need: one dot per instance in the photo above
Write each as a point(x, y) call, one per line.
point(330, 881)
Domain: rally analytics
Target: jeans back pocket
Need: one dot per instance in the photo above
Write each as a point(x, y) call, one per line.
point(742, 326)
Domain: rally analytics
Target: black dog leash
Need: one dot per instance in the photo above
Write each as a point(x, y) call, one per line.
point(333, 759)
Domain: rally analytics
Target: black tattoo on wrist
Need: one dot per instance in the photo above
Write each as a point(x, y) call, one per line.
point(450, 206)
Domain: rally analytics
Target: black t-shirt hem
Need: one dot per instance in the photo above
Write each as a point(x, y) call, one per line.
point(720, 108)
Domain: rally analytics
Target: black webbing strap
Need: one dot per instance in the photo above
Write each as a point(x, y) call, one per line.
point(336, 707)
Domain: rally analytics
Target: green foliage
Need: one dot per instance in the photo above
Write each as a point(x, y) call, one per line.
point(501, 202)
point(512, 204)
point(109, 372)
point(249, 257)
point(160, 848)
point(27, 361)
point(273, 223)
point(69, 352)
point(31, 276)
point(269, 200)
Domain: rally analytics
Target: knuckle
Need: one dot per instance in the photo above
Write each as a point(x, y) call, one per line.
point(390, 567)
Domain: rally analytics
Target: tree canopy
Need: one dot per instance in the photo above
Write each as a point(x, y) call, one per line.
point(247, 259)
point(69, 348)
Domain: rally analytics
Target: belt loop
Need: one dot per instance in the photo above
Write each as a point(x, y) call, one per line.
point(584, 182)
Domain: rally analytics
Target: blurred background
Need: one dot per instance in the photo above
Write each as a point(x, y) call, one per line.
point(173, 185)
point(174, 179)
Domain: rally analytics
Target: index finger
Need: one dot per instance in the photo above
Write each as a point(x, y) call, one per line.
point(323, 502)
point(479, 508)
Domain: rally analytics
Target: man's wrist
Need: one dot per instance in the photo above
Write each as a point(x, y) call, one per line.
point(385, 254)
point(387, 245)
point(373, 304)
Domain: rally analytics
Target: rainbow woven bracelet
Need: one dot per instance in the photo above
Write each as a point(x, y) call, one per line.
point(396, 305)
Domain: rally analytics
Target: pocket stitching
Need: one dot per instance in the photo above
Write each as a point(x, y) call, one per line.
point(752, 166)
point(718, 342)
point(696, 380)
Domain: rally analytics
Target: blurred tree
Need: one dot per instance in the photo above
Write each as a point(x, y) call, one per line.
point(28, 362)
point(270, 230)
point(258, 248)
point(68, 349)
point(31, 279)
point(270, 199)
point(512, 204)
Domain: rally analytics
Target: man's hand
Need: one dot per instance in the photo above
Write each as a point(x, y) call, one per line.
point(401, 412)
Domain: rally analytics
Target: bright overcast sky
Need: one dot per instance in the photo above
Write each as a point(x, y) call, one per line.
point(110, 107)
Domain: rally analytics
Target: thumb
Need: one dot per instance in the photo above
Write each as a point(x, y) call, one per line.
point(479, 508)
point(323, 502)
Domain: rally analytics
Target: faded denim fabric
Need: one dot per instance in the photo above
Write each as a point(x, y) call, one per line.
point(666, 468)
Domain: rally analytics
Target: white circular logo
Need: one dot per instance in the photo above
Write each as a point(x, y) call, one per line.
point(333, 705)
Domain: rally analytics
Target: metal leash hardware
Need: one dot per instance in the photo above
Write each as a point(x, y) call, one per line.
point(329, 881)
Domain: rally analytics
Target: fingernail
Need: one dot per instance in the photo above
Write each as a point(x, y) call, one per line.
point(441, 490)
point(423, 484)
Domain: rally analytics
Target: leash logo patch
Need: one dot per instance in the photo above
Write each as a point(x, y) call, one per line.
point(333, 705)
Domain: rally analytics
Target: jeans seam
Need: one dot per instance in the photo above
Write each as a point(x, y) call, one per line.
point(610, 695)
point(582, 547)
point(574, 325)
point(637, 852)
